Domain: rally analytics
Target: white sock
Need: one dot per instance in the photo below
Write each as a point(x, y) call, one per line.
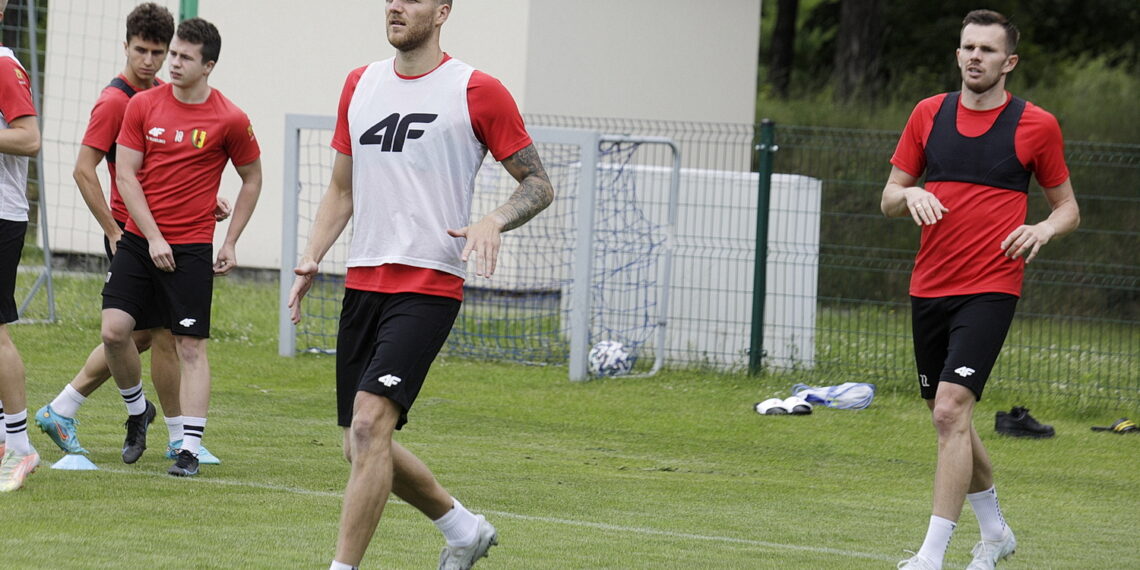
point(342, 566)
point(988, 511)
point(937, 540)
point(16, 426)
point(192, 430)
point(3, 428)
point(135, 400)
point(67, 402)
point(458, 526)
point(174, 426)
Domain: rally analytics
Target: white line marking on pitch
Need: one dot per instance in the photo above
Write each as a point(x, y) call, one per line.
point(549, 520)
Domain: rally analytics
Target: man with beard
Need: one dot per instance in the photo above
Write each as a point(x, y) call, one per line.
point(411, 133)
point(978, 148)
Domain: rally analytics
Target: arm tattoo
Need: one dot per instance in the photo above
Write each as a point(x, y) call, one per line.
point(534, 193)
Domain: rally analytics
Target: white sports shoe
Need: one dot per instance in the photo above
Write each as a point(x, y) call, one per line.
point(987, 553)
point(917, 562)
point(464, 557)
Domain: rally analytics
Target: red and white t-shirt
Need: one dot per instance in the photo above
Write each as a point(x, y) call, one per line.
point(15, 102)
point(103, 129)
point(417, 144)
point(185, 149)
point(961, 254)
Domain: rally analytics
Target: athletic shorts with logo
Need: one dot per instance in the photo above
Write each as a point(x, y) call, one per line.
point(957, 339)
point(151, 317)
point(11, 247)
point(386, 344)
point(182, 297)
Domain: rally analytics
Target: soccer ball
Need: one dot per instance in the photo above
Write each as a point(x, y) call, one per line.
point(610, 358)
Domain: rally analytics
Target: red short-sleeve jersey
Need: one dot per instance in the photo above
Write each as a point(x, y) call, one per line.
point(103, 129)
point(961, 254)
point(15, 91)
point(185, 149)
point(15, 103)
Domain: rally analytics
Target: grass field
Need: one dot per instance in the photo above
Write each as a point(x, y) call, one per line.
point(674, 471)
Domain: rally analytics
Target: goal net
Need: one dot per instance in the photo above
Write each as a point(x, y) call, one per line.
point(591, 267)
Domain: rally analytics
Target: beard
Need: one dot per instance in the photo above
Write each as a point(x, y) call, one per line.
point(413, 36)
point(982, 84)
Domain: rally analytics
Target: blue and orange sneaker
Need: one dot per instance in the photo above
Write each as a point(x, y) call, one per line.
point(60, 429)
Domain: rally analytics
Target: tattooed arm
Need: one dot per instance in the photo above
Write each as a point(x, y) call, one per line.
point(533, 195)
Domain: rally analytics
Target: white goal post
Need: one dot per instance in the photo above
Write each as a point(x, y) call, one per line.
point(594, 266)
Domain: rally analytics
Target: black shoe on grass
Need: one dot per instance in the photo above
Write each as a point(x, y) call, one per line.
point(185, 464)
point(135, 443)
point(1018, 423)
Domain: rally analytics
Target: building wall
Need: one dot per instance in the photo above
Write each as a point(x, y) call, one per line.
point(654, 59)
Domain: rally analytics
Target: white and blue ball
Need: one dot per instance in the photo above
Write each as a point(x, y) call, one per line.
point(610, 358)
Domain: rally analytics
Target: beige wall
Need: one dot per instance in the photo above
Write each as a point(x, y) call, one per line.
point(656, 59)
point(645, 59)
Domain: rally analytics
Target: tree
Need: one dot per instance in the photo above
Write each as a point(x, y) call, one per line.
point(858, 49)
point(783, 49)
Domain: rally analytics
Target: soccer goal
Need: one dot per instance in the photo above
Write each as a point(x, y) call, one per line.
point(594, 266)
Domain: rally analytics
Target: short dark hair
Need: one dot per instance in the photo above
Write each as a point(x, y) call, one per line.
point(991, 18)
point(203, 33)
point(150, 22)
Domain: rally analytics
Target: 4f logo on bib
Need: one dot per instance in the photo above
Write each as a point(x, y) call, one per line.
point(391, 133)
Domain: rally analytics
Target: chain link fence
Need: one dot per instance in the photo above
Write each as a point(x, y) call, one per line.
point(1076, 333)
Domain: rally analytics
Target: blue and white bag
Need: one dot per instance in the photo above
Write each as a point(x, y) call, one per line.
point(846, 396)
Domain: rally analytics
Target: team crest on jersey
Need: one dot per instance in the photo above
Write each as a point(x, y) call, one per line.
point(20, 76)
point(249, 129)
point(198, 138)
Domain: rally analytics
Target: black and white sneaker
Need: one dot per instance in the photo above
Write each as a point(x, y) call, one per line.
point(1018, 423)
point(135, 443)
point(185, 464)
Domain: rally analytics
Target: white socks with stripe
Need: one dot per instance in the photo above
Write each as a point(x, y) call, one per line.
point(133, 397)
point(16, 428)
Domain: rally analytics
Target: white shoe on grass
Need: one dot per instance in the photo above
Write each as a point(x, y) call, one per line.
point(464, 557)
point(987, 553)
point(917, 562)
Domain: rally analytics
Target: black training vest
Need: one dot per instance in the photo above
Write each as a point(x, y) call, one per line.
point(125, 87)
point(989, 159)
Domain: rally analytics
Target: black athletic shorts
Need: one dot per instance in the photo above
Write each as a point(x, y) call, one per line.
point(11, 247)
point(151, 316)
point(957, 339)
point(386, 344)
point(182, 297)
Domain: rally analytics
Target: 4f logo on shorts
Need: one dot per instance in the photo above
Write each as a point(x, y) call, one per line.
point(393, 131)
point(964, 371)
point(923, 381)
point(187, 322)
point(389, 380)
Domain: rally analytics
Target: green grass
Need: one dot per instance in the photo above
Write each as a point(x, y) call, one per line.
point(674, 471)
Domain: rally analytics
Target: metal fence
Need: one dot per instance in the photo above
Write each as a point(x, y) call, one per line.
point(1076, 333)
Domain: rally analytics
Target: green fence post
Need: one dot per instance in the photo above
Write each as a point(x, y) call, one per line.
point(766, 148)
point(188, 9)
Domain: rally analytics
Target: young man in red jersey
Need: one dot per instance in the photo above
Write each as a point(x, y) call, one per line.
point(978, 148)
point(19, 139)
point(411, 134)
point(149, 30)
point(174, 144)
